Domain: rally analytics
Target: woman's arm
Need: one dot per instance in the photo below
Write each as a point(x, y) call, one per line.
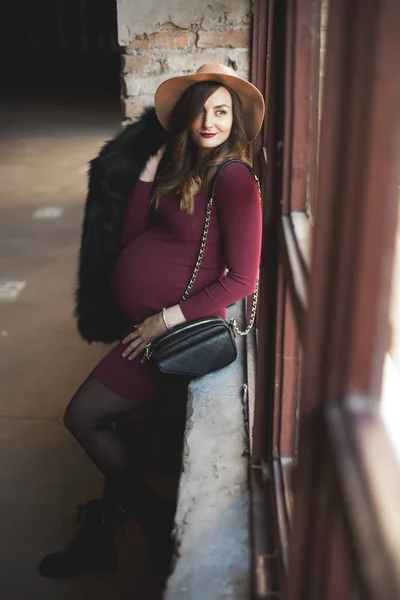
point(239, 209)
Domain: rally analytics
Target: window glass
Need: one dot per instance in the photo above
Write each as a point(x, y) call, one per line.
point(390, 404)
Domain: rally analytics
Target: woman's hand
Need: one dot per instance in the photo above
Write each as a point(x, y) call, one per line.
point(146, 332)
point(150, 170)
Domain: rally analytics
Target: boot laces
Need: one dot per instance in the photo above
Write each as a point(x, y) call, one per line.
point(90, 521)
point(91, 512)
point(95, 516)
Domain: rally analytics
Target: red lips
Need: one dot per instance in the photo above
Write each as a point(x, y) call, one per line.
point(208, 135)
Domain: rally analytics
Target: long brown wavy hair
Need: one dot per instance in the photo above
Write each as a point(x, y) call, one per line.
point(180, 169)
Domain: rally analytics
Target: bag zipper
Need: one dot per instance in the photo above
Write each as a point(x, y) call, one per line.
point(149, 348)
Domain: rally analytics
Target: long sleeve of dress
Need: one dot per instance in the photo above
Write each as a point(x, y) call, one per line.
point(239, 210)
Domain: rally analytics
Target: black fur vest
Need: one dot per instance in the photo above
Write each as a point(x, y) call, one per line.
point(112, 177)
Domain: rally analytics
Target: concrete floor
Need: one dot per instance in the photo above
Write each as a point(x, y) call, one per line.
point(47, 139)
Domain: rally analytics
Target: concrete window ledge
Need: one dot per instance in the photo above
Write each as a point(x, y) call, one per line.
point(212, 519)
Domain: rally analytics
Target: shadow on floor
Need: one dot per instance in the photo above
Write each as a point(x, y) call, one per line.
point(48, 137)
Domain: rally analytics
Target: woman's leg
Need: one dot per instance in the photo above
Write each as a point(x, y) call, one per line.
point(89, 417)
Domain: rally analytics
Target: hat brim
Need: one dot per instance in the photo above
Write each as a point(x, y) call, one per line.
point(169, 92)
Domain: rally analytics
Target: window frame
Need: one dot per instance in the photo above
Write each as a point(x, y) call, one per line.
point(342, 343)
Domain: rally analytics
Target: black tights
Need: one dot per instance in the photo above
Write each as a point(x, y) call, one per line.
point(89, 417)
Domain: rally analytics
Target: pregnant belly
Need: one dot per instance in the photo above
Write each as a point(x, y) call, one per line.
point(152, 273)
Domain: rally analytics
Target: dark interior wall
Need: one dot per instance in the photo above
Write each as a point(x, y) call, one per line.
point(70, 41)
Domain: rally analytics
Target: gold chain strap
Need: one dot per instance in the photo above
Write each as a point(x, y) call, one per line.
point(202, 249)
point(233, 322)
point(252, 314)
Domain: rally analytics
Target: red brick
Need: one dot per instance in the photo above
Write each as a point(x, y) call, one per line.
point(131, 64)
point(232, 38)
point(189, 62)
point(162, 39)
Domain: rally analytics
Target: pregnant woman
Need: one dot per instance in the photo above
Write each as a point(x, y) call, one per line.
point(130, 289)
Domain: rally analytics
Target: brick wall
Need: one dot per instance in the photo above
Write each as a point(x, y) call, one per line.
point(167, 49)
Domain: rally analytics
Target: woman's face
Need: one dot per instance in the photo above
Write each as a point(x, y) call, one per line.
point(214, 124)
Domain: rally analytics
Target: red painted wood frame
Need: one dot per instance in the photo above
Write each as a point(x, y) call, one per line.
point(268, 16)
point(342, 326)
point(283, 168)
point(345, 538)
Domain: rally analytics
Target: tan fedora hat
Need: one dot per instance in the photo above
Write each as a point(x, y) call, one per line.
point(169, 92)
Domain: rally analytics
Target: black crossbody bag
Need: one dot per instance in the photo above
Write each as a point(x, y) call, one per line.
point(199, 347)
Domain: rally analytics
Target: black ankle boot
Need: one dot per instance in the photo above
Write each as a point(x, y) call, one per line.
point(155, 516)
point(159, 534)
point(92, 550)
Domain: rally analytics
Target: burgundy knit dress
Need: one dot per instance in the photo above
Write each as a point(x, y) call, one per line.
point(158, 258)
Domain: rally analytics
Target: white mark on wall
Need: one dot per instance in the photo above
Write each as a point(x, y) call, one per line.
point(10, 290)
point(48, 212)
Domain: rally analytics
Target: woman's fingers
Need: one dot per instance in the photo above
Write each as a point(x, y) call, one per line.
point(139, 350)
point(131, 336)
point(132, 347)
point(145, 332)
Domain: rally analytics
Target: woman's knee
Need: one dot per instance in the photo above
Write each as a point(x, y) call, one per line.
point(75, 419)
point(93, 407)
point(79, 414)
point(69, 418)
